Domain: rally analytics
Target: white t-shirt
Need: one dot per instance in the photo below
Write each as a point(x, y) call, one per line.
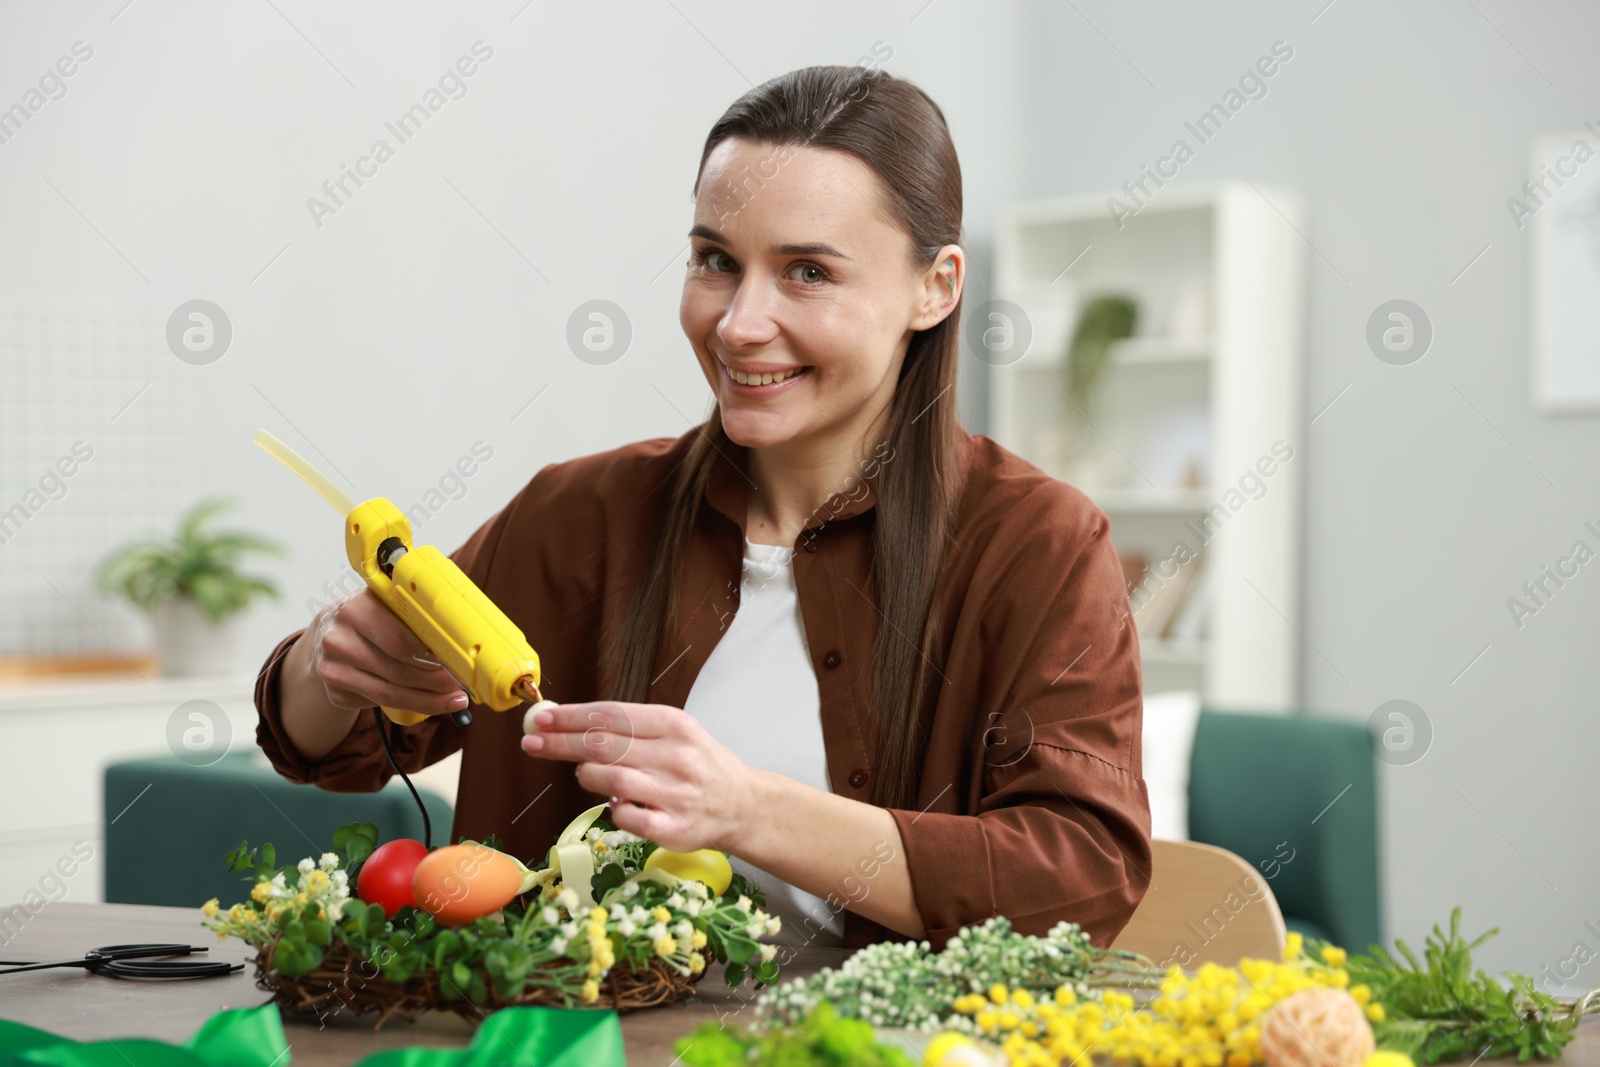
point(757, 695)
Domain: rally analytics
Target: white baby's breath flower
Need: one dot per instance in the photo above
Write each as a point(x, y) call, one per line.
point(550, 915)
point(743, 903)
point(568, 898)
point(638, 914)
point(754, 930)
point(630, 890)
point(618, 913)
point(626, 927)
point(774, 924)
point(340, 878)
point(695, 889)
point(569, 928)
point(329, 861)
point(693, 907)
point(279, 881)
point(675, 901)
point(768, 951)
point(306, 865)
point(558, 946)
point(683, 930)
point(656, 931)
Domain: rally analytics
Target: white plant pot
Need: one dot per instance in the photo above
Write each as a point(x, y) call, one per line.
point(189, 644)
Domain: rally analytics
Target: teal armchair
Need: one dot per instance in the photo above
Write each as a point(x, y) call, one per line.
point(1296, 797)
point(170, 826)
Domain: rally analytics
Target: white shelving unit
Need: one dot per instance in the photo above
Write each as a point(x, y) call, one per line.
point(1193, 415)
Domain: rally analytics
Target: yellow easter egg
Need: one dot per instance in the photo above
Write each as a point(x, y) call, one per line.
point(703, 865)
point(459, 883)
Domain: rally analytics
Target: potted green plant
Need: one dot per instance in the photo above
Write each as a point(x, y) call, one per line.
point(1104, 320)
point(192, 587)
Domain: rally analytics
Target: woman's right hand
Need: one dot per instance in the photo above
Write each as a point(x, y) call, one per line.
point(363, 655)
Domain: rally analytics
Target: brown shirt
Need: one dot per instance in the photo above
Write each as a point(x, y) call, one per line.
point(1032, 800)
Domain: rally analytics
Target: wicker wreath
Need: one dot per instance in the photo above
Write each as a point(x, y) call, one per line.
point(340, 981)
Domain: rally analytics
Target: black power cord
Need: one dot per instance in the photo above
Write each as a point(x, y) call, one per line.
point(427, 826)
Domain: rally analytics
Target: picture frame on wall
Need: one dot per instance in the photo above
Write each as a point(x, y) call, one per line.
point(1560, 207)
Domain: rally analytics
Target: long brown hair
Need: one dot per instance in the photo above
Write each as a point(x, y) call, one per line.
point(895, 129)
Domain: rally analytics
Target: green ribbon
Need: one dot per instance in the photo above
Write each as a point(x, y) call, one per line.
point(253, 1037)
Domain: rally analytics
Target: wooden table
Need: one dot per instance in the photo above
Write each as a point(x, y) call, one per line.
point(89, 1007)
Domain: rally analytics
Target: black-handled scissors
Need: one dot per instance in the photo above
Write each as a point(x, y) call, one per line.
point(134, 961)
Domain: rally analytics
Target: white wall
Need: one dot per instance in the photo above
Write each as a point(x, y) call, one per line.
point(409, 326)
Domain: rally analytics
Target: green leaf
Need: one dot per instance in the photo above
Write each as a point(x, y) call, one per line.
point(356, 841)
point(739, 947)
point(317, 933)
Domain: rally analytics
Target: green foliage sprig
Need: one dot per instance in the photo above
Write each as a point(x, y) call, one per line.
point(822, 1039)
point(1442, 1009)
point(905, 984)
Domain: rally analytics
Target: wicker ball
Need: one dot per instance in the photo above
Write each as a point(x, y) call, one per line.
point(1316, 1028)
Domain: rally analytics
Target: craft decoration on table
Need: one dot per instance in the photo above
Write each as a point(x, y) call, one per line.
point(996, 998)
point(607, 919)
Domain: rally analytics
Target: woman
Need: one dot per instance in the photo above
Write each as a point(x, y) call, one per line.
point(884, 663)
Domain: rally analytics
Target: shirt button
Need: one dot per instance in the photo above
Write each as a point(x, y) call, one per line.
point(859, 778)
point(831, 660)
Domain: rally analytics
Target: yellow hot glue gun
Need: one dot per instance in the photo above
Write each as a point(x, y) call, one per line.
point(471, 637)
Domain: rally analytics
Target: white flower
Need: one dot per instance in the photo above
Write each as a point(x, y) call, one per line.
point(638, 914)
point(657, 931)
point(569, 928)
point(568, 898)
point(693, 907)
point(626, 927)
point(675, 901)
point(340, 878)
point(336, 910)
point(618, 913)
point(754, 930)
point(695, 889)
point(550, 915)
point(774, 924)
point(306, 865)
point(683, 930)
point(329, 861)
point(558, 946)
point(743, 903)
point(768, 951)
point(630, 890)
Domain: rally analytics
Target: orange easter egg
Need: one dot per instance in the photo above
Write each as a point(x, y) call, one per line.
point(459, 883)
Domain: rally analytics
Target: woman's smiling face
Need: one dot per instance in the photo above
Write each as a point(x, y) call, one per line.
point(801, 274)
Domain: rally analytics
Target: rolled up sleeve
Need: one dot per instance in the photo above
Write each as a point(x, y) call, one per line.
point(358, 764)
point(1061, 826)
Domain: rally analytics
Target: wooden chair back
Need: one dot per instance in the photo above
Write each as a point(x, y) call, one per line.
point(1204, 904)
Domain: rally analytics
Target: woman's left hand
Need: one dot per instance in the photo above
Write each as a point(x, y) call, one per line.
point(668, 779)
